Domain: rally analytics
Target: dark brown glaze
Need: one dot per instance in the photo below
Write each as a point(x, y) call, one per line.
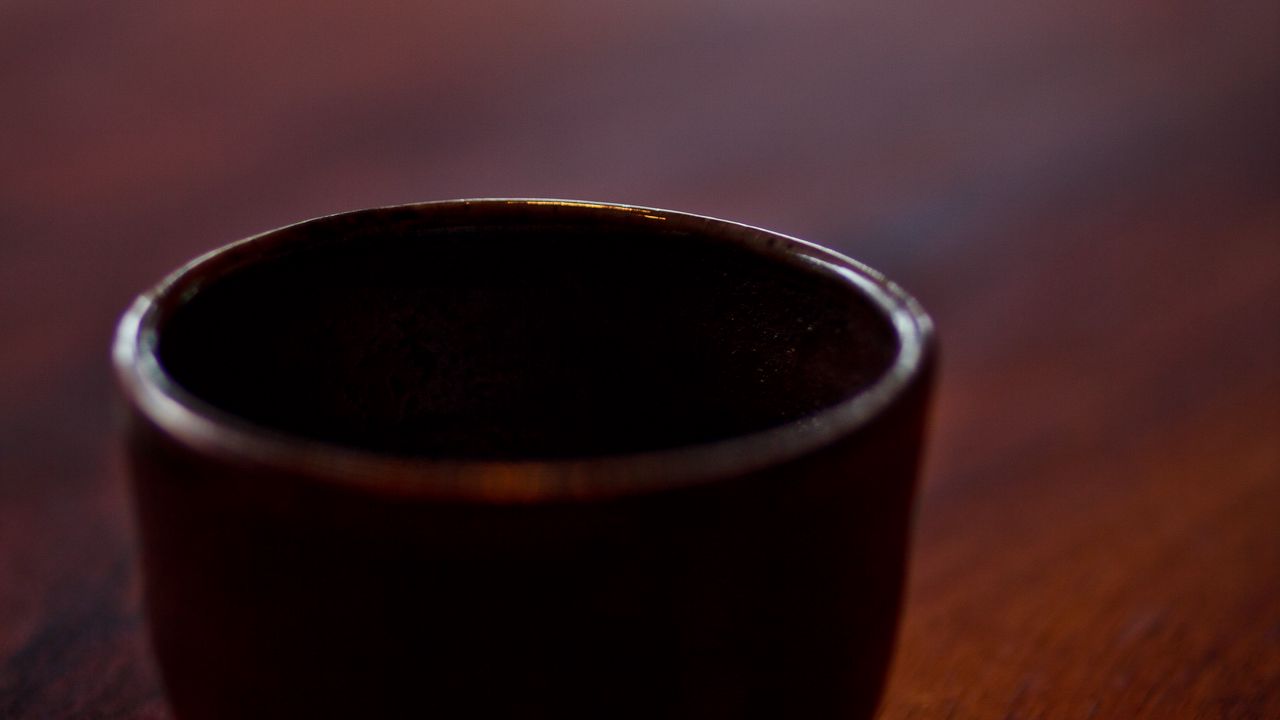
point(767, 595)
point(279, 586)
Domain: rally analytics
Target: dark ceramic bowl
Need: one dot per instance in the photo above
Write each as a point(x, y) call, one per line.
point(524, 458)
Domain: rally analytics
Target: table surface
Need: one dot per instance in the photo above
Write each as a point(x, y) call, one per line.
point(1086, 195)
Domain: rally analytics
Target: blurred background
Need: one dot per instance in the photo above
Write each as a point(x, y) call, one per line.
point(1086, 195)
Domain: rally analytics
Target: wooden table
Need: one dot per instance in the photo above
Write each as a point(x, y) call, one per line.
point(1086, 195)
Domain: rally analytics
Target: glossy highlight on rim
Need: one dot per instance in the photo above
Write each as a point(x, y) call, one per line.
point(203, 428)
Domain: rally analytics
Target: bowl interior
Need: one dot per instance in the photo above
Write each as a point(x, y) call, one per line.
point(520, 337)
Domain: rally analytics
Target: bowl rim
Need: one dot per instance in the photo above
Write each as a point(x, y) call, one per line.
point(207, 430)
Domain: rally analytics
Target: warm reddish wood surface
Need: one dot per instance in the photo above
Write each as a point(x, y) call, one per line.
point(1086, 195)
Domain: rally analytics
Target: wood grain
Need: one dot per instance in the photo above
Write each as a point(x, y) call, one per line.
point(1086, 195)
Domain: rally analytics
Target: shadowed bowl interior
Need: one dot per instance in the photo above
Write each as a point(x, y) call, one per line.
point(521, 337)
